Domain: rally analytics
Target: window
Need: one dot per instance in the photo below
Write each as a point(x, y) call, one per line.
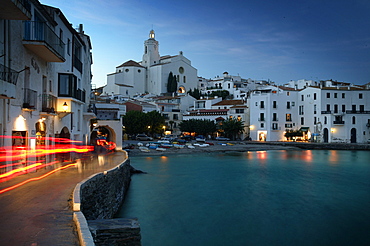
point(325, 120)
point(288, 125)
point(343, 95)
point(262, 117)
point(360, 96)
point(343, 108)
point(274, 117)
point(69, 47)
point(314, 120)
point(262, 125)
point(353, 120)
point(288, 93)
point(314, 96)
point(175, 116)
point(362, 108)
point(139, 70)
point(184, 79)
point(61, 37)
point(353, 108)
point(328, 107)
point(262, 104)
point(335, 95)
point(67, 85)
point(239, 111)
point(315, 109)
point(288, 105)
point(228, 85)
point(335, 108)
point(302, 120)
point(288, 117)
point(239, 118)
point(127, 70)
point(328, 95)
point(301, 112)
point(302, 97)
point(274, 104)
point(274, 126)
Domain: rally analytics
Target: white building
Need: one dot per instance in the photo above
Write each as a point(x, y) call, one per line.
point(151, 74)
point(339, 112)
point(45, 74)
point(272, 111)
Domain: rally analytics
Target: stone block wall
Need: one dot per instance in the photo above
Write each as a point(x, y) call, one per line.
point(103, 194)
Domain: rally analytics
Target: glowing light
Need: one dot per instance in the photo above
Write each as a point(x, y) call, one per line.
point(20, 124)
point(37, 178)
point(65, 106)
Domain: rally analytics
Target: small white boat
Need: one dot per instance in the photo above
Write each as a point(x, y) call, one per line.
point(179, 146)
point(140, 144)
point(160, 149)
point(144, 149)
point(191, 147)
point(203, 145)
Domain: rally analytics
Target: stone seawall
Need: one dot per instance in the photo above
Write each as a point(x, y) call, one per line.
point(103, 193)
point(96, 201)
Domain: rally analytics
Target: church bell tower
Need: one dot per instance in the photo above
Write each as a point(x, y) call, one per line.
point(151, 53)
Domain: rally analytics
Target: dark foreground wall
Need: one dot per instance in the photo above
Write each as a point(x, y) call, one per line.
point(101, 197)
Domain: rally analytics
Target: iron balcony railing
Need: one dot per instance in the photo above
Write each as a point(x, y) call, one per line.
point(77, 63)
point(9, 75)
point(357, 112)
point(30, 99)
point(49, 103)
point(338, 122)
point(39, 31)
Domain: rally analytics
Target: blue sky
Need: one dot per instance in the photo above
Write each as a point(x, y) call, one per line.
point(259, 39)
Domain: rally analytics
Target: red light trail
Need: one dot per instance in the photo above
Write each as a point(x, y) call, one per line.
point(37, 178)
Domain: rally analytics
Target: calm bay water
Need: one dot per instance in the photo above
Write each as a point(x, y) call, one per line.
point(254, 198)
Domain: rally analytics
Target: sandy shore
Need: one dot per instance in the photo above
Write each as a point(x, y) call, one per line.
point(245, 146)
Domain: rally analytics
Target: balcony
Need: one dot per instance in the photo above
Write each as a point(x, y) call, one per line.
point(338, 122)
point(77, 63)
point(42, 40)
point(357, 112)
point(8, 81)
point(49, 104)
point(30, 100)
point(326, 112)
point(15, 10)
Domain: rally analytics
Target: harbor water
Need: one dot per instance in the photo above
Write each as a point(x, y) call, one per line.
point(308, 197)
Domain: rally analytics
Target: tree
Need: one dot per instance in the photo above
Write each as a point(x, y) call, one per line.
point(156, 121)
point(135, 122)
point(232, 127)
point(138, 122)
point(171, 83)
point(195, 93)
point(220, 93)
point(199, 126)
point(171, 122)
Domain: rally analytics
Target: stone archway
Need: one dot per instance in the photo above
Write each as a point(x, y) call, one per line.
point(110, 134)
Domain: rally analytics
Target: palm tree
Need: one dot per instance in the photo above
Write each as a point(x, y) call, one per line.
point(232, 127)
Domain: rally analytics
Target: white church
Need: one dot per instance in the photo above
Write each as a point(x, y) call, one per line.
point(151, 74)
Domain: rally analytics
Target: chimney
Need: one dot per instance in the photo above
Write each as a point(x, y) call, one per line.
point(81, 28)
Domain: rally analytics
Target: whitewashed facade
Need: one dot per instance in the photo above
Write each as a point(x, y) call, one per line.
point(38, 45)
point(151, 74)
point(335, 113)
